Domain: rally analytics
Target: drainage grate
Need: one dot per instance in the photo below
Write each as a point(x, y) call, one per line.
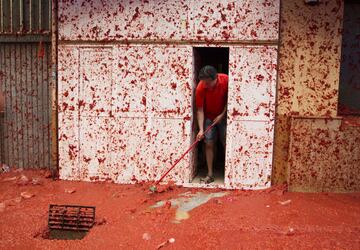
point(69, 217)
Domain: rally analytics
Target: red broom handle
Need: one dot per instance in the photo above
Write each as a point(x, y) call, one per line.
point(182, 156)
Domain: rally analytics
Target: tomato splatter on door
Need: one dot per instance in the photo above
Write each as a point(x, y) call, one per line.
point(125, 87)
point(251, 108)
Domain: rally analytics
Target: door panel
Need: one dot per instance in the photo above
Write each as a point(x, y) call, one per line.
point(252, 91)
point(95, 81)
point(95, 157)
point(169, 139)
point(123, 20)
point(138, 140)
point(129, 147)
point(68, 75)
point(130, 83)
point(249, 154)
point(234, 20)
point(69, 148)
point(251, 109)
point(169, 87)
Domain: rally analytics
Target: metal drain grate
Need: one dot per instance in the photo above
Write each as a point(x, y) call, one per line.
point(69, 217)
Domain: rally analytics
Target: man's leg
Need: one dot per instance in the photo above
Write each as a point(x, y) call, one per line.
point(222, 133)
point(209, 152)
point(209, 147)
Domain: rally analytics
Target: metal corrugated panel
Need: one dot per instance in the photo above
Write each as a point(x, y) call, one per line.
point(25, 124)
point(25, 16)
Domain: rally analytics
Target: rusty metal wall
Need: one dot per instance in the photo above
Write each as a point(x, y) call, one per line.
point(24, 78)
point(309, 70)
point(25, 16)
point(126, 83)
point(324, 155)
point(314, 151)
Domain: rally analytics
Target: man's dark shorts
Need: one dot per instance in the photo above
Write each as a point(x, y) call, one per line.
point(218, 129)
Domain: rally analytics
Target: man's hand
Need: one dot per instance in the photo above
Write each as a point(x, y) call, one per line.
point(218, 119)
point(200, 135)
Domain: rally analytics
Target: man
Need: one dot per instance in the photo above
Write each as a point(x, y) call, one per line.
point(211, 105)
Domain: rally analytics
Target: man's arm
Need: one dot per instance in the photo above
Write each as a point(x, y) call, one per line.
point(224, 111)
point(199, 101)
point(219, 118)
point(200, 118)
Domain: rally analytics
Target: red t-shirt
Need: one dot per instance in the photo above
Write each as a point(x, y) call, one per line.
point(212, 100)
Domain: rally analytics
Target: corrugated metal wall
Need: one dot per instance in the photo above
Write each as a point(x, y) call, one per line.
point(25, 28)
point(25, 16)
point(24, 77)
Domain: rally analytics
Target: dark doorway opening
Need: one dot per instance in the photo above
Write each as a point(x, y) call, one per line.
point(218, 58)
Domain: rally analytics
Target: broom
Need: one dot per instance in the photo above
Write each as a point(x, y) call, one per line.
point(153, 188)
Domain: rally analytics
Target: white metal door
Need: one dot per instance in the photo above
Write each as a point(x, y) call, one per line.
point(251, 109)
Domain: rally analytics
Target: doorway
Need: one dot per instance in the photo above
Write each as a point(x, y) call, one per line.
point(217, 57)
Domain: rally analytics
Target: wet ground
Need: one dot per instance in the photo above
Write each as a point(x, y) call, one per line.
point(180, 218)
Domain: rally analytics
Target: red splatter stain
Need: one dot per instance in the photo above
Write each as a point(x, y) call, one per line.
point(94, 178)
point(225, 34)
point(101, 160)
point(253, 33)
point(92, 105)
point(235, 113)
point(259, 77)
point(81, 103)
point(64, 106)
point(86, 159)
point(136, 15)
point(72, 153)
point(143, 100)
